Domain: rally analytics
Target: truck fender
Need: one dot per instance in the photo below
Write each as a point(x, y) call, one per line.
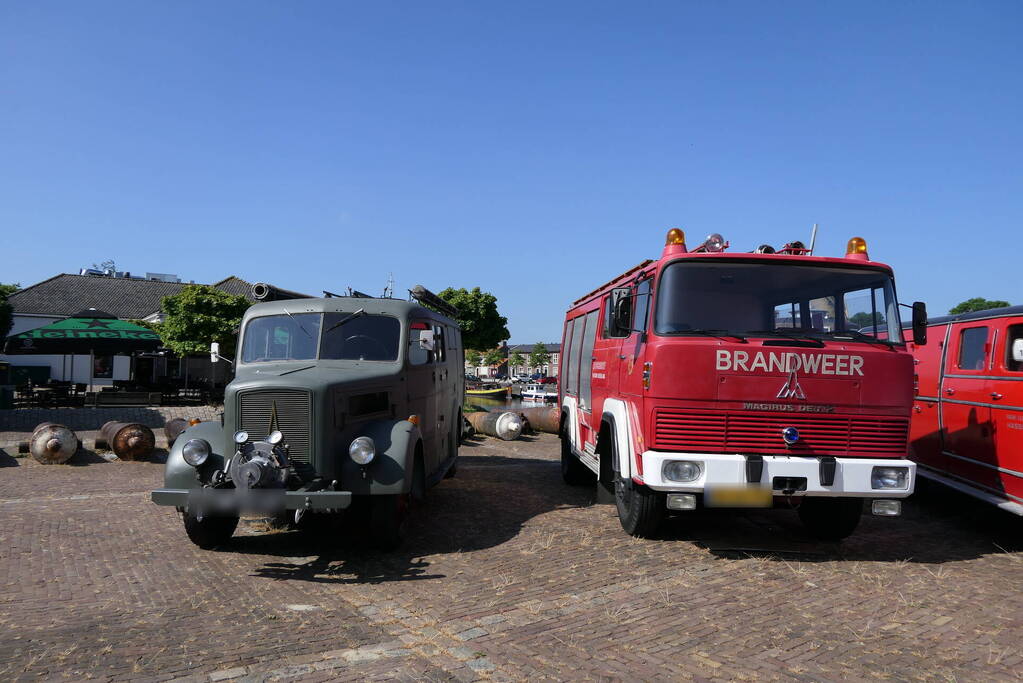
point(178, 474)
point(390, 471)
point(617, 416)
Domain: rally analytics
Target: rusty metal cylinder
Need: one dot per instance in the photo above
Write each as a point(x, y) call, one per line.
point(128, 440)
point(504, 425)
point(173, 428)
point(52, 444)
point(543, 419)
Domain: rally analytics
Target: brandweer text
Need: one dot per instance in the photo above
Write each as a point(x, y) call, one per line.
point(816, 364)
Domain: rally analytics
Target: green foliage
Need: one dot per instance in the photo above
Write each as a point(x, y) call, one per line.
point(493, 357)
point(539, 356)
point(976, 304)
point(198, 315)
point(864, 319)
point(473, 358)
point(6, 310)
point(482, 326)
point(516, 360)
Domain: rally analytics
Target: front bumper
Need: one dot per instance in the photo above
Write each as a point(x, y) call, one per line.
point(851, 477)
point(257, 500)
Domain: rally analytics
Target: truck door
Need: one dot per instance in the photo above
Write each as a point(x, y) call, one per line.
point(925, 426)
point(606, 350)
point(633, 349)
point(1006, 397)
point(965, 404)
point(587, 421)
point(423, 386)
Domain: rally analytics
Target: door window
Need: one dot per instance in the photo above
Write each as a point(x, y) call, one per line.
point(572, 386)
point(641, 310)
point(972, 348)
point(1013, 338)
point(585, 359)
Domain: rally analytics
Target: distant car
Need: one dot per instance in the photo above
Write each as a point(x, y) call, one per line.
point(472, 378)
point(521, 379)
point(548, 380)
point(535, 377)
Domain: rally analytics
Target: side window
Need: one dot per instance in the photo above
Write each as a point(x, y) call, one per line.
point(972, 352)
point(610, 302)
point(439, 345)
point(585, 359)
point(572, 381)
point(1014, 348)
point(641, 309)
point(421, 344)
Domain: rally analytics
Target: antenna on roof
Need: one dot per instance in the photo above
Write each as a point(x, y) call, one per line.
point(813, 239)
point(389, 289)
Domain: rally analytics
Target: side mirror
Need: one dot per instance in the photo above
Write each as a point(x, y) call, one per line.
point(214, 352)
point(623, 315)
point(426, 340)
point(919, 323)
point(1017, 350)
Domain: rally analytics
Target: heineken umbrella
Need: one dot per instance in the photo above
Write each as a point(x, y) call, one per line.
point(90, 331)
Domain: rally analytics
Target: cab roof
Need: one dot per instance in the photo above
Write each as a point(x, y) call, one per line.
point(348, 304)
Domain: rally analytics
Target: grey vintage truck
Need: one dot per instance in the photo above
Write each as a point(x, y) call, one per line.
point(341, 404)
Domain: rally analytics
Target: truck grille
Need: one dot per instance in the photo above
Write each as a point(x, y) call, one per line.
point(819, 435)
point(256, 409)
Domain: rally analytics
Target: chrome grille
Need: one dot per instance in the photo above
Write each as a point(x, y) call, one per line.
point(294, 411)
point(842, 435)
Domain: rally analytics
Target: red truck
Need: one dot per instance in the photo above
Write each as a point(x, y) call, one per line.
point(967, 429)
point(741, 379)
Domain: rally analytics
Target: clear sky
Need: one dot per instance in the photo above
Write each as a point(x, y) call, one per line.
point(535, 149)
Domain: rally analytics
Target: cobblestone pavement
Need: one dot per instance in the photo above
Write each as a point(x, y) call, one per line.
point(509, 575)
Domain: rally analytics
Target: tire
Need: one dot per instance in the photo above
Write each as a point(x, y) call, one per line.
point(210, 532)
point(640, 509)
point(388, 519)
point(830, 519)
point(572, 471)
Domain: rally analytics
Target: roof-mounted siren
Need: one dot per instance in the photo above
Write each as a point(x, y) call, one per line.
point(713, 243)
point(764, 249)
point(857, 249)
point(675, 242)
point(431, 300)
point(796, 248)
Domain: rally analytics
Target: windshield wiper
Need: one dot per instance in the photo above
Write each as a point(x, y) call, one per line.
point(719, 333)
point(298, 323)
point(342, 321)
point(789, 333)
point(859, 336)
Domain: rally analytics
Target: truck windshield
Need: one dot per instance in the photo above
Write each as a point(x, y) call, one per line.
point(776, 299)
point(345, 336)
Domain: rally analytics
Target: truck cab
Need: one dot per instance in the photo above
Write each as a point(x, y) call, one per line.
point(736, 380)
point(337, 403)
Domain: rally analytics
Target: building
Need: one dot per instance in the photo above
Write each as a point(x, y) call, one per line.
point(524, 350)
point(128, 298)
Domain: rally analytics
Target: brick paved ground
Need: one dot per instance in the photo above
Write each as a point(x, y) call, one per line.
point(509, 575)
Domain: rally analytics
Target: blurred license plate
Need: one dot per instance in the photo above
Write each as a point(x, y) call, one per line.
point(738, 497)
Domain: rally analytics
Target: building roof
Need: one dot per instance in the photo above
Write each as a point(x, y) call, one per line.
point(528, 348)
point(127, 298)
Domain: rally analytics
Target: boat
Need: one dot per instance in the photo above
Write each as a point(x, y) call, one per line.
point(537, 392)
point(498, 392)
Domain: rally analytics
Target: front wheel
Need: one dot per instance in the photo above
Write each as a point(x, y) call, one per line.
point(640, 509)
point(209, 532)
point(830, 519)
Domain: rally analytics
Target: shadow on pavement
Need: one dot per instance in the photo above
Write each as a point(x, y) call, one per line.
point(7, 460)
point(485, 505)
point(85, 456)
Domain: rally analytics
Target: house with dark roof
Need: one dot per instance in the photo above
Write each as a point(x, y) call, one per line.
point(548, 370)
point(124, 297)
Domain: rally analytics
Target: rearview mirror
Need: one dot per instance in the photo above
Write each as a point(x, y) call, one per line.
point(1017, 350)
point(919, 323)
point(426, 340)
point(623, 314)
point(214, 352)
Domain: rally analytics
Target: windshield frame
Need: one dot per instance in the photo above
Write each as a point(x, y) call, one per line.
point(783, 332)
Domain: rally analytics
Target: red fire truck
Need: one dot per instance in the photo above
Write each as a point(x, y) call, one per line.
point(967, 429)
point(735, 380)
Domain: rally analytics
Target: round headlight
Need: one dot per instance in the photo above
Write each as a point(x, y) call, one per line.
point(362, 450)
point(195, 452)
point(241, 437)
point(274, 438)
point(681, 470)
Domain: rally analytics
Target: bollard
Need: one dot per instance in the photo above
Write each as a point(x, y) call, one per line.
point(543, 419)
point(51, 444)
point(503, 425)
point(128, 440)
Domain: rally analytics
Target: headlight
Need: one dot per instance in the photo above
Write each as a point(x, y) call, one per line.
point(362, 450)
point(889, 478)
point(195, 452)
point(681, 470)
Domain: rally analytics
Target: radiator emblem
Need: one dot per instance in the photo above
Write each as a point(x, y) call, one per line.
point(791, 388)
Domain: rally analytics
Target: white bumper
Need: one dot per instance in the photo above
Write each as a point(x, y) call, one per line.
point(852, 475)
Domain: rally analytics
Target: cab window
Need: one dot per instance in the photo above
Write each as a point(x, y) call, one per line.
point(359, 337)
point(424, 344)
point(972, 348)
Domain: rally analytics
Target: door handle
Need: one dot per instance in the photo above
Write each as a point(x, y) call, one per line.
point(621, 357)
point(950, 391)
point(995, 395)
point(917, 409)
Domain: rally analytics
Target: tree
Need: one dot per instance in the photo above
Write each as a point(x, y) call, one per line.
point(515, 361)
point(473, 359)
point(539, 356)
point(864, 319)
point(6, 310)
point(198, 315)
point(493, 357)
point(482, 326)
point(976, 304)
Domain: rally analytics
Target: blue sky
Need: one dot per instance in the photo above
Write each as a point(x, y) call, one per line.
point(532, 149)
